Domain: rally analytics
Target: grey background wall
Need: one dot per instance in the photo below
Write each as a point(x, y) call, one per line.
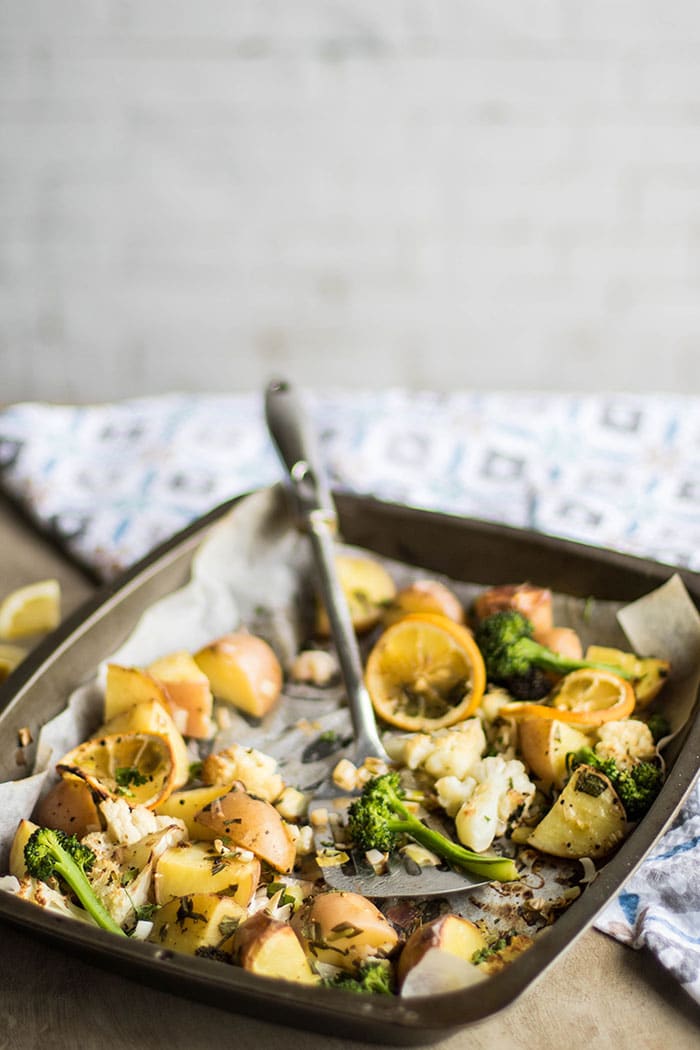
point(198, 195)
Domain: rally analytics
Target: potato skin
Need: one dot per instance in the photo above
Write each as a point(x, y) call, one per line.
point(271, 948)
point(544, 745)
point(424, 596)
point(243, 670)
point(344, 929)
point(450, 933)
point(253, 824)
point(70, 807)
point(188, 692)
point(533, 602)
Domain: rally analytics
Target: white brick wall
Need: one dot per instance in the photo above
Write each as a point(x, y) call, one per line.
point(197, 195)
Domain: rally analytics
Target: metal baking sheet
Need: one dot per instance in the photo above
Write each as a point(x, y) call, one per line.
point(460, 548)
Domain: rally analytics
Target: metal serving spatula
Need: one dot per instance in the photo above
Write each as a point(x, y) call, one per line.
point(295, 443)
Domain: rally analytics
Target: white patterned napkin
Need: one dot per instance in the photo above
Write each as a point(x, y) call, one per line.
point(618, 471)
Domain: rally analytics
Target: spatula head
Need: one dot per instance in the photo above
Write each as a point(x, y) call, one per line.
point(401, 878)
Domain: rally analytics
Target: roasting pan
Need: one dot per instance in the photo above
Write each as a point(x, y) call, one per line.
point(463, 549)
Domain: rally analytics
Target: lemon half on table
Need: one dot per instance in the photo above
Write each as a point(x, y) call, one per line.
point(33, 609)
point(424, 673)
point(587, 697)
point(138, 767)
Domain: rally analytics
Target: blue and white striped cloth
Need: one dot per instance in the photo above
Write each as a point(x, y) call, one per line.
point(618, 471)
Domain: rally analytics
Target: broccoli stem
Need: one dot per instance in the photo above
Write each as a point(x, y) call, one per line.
point(76, 878)
point(49, 852)
point(548, 660)
point(496, 869)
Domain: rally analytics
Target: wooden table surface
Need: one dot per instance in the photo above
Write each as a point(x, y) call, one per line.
point(599, 995)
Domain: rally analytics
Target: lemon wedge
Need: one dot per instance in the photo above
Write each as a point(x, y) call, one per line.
point(33, 609)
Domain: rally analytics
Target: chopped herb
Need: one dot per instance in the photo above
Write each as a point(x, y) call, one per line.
point(228, 926)
point(591, 784)
point(146, 912)
point(195, 770)
point(125, 776)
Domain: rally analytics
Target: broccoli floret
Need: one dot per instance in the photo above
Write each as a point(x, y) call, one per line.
point(49, 852)
point(636, 787)
point(373, 978)
point(659, 726)
point(514, 659)
point(379, 818)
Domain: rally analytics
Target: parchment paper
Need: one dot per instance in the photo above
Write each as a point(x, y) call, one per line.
point(254, 569)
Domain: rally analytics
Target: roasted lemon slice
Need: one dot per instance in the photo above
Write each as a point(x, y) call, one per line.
point(425, 672)
point(587, 697)
point(34, 609)
point(138, 767)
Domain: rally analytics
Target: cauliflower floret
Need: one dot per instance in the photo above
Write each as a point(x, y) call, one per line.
point(477, 818)
point(453, 792)
point(126, 825)
point(449, 752)
point(256, 771)
point(454, 751)
point(491, 703)
point(625, 742)
point(315, 666)
point(502, 788)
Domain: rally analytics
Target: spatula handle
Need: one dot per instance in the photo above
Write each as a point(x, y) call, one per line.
point(288, 424)
point(295, 443)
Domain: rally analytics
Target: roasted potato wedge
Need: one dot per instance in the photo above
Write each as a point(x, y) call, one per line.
point(243, 670)
point(544, 744)
point(587, 820)
point(69, 806)
point(533, 602)
point(17, 867)
point(198, 923)
point(449, 933)
point(368, 588)
point(424, 596)
point(344, 929)
point(196, 867)
point(188, 692)
point(271, 948)
point(126, 686)
point(185, 805)
point(252, 824)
